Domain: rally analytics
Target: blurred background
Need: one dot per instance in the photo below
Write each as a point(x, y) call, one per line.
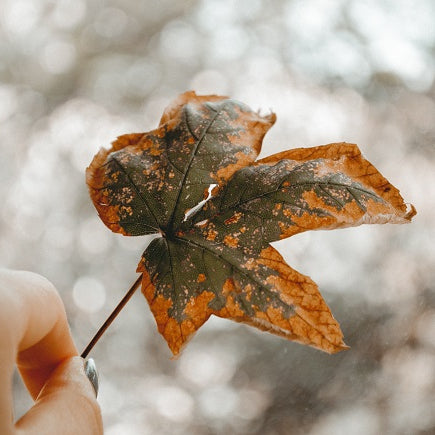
point(74, 74)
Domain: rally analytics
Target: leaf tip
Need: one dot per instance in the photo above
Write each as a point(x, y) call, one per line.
point(342, 346)
point(410, 212)
point(271, 118)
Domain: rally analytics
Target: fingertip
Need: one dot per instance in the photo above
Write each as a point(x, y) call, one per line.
point(67, 401)
point(70, 375)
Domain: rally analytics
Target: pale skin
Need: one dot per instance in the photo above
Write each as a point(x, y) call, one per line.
point(35, 337)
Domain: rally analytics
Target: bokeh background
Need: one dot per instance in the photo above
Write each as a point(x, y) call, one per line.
point(74, 74)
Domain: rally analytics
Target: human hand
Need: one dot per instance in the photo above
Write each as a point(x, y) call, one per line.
point(34, 335)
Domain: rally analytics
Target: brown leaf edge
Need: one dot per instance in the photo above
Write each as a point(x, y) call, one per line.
point(95, 179)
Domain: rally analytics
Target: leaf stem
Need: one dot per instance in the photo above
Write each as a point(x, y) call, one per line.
point(112, 317)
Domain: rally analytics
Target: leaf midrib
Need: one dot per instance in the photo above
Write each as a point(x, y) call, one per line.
point(309, 183)
point(170, 228)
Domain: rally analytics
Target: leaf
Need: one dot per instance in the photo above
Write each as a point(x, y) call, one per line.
point(147, 181)
point(325, 187)
point(185, 283)
point(217, 260)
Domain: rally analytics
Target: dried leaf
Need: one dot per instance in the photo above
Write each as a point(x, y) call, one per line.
point(217, 259)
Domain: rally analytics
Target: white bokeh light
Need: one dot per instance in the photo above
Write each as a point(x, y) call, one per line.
point(58, 56)
point(218, 402)
point(20, 17)
point(214, 366)
point(174, 403)
point(89, 294)
point(68, 13)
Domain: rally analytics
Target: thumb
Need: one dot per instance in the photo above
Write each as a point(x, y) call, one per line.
point(65, 405)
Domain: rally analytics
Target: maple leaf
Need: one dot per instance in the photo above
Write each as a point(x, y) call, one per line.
point(216, 258)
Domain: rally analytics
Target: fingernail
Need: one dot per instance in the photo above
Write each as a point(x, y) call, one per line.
point(92, 374)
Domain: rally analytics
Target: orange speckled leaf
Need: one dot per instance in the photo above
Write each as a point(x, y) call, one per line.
point(147, 182)
point(213, 257)
point(326, 187)
point(186, 281)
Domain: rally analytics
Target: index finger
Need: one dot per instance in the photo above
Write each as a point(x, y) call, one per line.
point(34, 331)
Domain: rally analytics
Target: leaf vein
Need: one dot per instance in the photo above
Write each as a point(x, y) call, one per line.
point(137, 191)
point(189, 164)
